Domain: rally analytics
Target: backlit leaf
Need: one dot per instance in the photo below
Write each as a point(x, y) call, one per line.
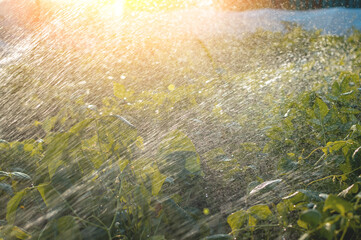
point(261, 212)
point(252, 222)
point(354, 188)
point(12, 206)
point(49, 123)
point(97, 160)
point(335, 146)
point(178, 153)
point(43, 190)
point(68, 228)
point(311, 217)
point(28, 147)
point(302, 224)
point(81, 125)
point(320, 108)
point(54, 151)
point(237, 219)
point(157, 181)
point(302, 195)
point(123, 163)
point(337, 204)
point(265, 186)
point(19, 233)
point(140, 143)
point(119, 90)
point(115, 128)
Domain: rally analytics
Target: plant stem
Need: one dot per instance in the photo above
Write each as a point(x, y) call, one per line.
point(118, 204)
point(345, 229)
point(323, 133)
point(98, 138)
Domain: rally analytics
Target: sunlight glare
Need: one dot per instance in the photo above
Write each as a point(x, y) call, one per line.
point(119, 5)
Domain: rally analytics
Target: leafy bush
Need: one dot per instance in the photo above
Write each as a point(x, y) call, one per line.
point(265, 137)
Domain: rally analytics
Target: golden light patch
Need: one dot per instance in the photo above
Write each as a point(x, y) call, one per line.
point(206, 211)
point(171, 87)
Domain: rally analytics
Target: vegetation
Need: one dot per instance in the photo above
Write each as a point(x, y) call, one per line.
point(221, 140)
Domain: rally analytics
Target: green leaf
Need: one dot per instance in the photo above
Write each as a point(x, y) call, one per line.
point(140, 143)
point(282, 210)
point(158, 237)
point(80, 125)
point(311, 217)
point(176, 141)
point(237, 219)
point(60, 229)
point(4, 144)
point(349, 110)
point(114, 128)
point(97, 160)
point(4, 174)
point(157, 181)
point(348, 82)
point(320, 109)
point(6, 188)
point(265, 186)
point(252, 185)
point(275, 133)
point(193, 164)
point(219, 237)
point(123, 163)
point(328, 230)
point(68, 228)
point(260, 212)
point(177, 153)
point(353, 189)
point(302, 224)
point(177, 215)
point(19, 176)
point(43, 190)
point(53, 166)
point(213, 154)
point(302, 195)
point(19, 233)
point(335, 146)
point(49, 124)
point(358, 195)
point(335, 89)
point(337, 204)
point(120, 91)
point(55, 150)
point(356, 156)
point(28, 147)
point(12, 206)
point(252, 222)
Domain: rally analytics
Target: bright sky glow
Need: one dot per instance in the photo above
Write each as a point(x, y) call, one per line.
point(137, 4)
point(117, 8)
